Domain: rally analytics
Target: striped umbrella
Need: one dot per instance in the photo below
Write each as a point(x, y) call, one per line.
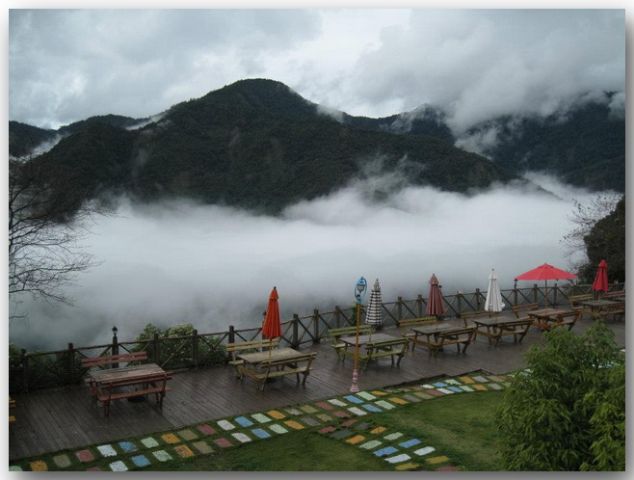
point(434, 300)
point(493, 302)
point(374, 313)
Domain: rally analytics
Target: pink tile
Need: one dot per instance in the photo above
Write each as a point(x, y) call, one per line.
point(341, 414)
point(328, 429)
point(347, 423)
point(84, 456)
point(433, 392)
point(325, 405)
point(223, 442)
point(205, 429)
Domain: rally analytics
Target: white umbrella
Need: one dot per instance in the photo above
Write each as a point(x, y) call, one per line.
point(374, 313)
point(493, 301)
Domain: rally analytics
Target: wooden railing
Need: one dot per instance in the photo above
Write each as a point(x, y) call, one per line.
point(34, 370)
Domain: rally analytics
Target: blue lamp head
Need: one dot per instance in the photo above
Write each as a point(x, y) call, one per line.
point(360, 289)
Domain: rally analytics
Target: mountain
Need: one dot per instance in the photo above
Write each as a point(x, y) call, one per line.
point(23, 138)
point(254, 144)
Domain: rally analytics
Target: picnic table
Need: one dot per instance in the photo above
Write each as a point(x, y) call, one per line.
point(545, 318)
point(376, 345)
point(263, 366)
point(601, 307)
point(495, 328)
point(436, 336)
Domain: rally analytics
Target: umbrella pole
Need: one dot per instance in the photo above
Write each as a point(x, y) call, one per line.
point(354, 388)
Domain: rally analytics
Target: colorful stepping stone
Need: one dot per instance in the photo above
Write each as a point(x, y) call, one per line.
point(371, 444)
point(496, 378)
point(481, 388)
point(384, 404)
point(353, 399)
point(341, 434)
point(357, 411)
point(427, 386)
point(149, 442)
point(452, 381)
point(355, 439)
point(481, 379)
point(202, 447)
point(84, 456)
point(494, 386)
point(337, 402)
point(423, 395)
point(276, 428)
point(241, 437)
point(385, 451)
point(140, 461)
point(467, 388)
point(393, 436)
point(226, 425)
point(325, 405)
point(378, 430)
point(446, 391)
point(294, 425)
point(349, 422)
point(15, 468)
point(341, 414)
point(455, 389)
point(184, 451)
point(38, 466)
point(222, 442)
point(107, 450)
point(403, 457)
point(366, 396)
point(310, 421)
point(370, 407)
point(170, 438)
point(260, 433)
point(378, 393)
point(162, 455)
point(323, 417)
point(243, 421)
point(424, 451)
point(407, 466)
point(61, 461)
point(308, 409)
point(398, 400)
point(437, 460)
point(187, 434)
point(261, 418)
point(127, 446)
point(118, 466)
point(465, 379)
point(276, 414)
point(433, 392)
point(410, 443)
point(410, 397)
point(328, 429)
point(362, 426)
point(206, 429)
point(293, 411)
point(439, 384)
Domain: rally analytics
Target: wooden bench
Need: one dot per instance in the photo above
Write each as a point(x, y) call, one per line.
point(613, 293)
point(567, 319)
point(109, 361)
point(463, 336)
point(236, 348)
point(522, 308)
point(336, 333)
point(613, 310)
point(151, 384)
point(415, 322)
point(575, 300)
point(466, 316)
point(385, 348)
point(279, 368)
point(518, 328)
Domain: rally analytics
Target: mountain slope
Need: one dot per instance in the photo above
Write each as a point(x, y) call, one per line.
point(23, 138)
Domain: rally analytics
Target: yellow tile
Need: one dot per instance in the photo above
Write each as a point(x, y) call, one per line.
point(378, 393)
point(39, 466)
point(398, 400)
point(436, 460)
point(294, 424)
point(184, 451)
point(482, 388)
point(378, 430)
point(466, 380)
point(275, 414)
point(170, 438)
point(356, 439)
point(407, 466)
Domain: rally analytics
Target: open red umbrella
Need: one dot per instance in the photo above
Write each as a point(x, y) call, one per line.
point(546, 272)
point(600, 283)
point(435, 304)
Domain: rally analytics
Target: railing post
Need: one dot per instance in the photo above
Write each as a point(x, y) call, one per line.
point(419, 305)
point(295, 342)
point(195, 347)
point(399, 308)
point(477, 295)
point(115, 346)
point(232, 334)
point(535, 293)
point(555, 295)
point(156, 349)
point(515, 292)
point(459, 302)
point(25, 371)
point(316, 338)
point(337, 316)
point(70, 366)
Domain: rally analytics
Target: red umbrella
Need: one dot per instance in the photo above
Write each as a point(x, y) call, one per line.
point(600, 283)
point(271, 327)
point(546, 272)
point(434, 301)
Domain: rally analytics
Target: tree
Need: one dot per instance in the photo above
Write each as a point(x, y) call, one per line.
point(44, 230)
point(566, 412)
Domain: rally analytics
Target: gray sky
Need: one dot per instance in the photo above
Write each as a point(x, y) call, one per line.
point(66, 65)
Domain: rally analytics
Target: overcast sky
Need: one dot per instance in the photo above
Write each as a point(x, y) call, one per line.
point(66, 65)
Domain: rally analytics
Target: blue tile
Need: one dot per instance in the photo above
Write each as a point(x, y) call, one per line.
point(258, 432)
point(385, 451)
point(440, 384)
point(243, 421)
point(371, 408)
point(127, 446)
point(140, 461)
point(456, 389)
point(409, 443)
point(353, 399)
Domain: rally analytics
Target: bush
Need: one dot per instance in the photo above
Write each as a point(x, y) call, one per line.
point(567, 411)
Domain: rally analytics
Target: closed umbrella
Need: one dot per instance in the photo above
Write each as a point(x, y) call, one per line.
point(600, 283)
point(493, 302)
point(271, 327)
point(374, 313)
point(434, 301)
point(546, 272)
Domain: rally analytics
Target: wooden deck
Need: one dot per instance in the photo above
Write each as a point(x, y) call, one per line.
point(65, 418)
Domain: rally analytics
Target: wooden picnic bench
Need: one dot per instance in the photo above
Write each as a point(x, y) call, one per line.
point(495, 328)
point(236, 348)
point(466, 316)
point(614, 294)
point(415, 322)
point(335, 335)
point(108, 391)
point(576, 300)
point(263, 366)
point(567, 319)
point(377, 345)
point(110, 361)
point(436, 337)
point(522, 308)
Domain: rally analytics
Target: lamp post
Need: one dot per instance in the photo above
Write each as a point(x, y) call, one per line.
point(359, 292)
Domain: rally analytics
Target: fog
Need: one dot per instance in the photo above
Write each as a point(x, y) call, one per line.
point(180, 262)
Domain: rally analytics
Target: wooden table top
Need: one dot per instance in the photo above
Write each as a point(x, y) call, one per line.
point(126, 373)
point(286, 353)
point(432, 329)
point(364, 339)
point(492, 322)
point(601, 303)
point(548, 312)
